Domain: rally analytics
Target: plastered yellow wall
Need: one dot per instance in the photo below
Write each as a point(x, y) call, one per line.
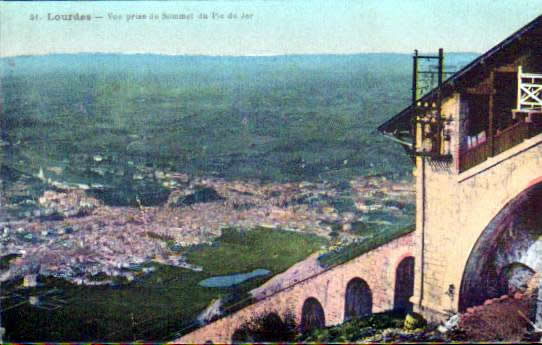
point(458, 207)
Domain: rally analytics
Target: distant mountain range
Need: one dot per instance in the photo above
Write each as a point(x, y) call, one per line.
point(155, 63)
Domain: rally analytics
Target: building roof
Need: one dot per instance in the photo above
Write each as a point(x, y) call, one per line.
point(509, 46)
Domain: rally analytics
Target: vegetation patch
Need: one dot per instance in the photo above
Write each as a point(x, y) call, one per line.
point(267, 327)
point(353, 330)
point(202, 194)
point(239, 250)
point(371, 241)
point(161, 237)
point(160, 305)
point(4, 260)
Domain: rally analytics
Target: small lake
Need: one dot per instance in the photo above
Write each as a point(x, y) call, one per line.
point(233, 279)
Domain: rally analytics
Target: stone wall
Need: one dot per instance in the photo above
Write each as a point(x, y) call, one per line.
point(377, 268)
point(458, 207)
point(436, 212)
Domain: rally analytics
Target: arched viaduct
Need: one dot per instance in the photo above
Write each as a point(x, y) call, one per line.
point(379, 280)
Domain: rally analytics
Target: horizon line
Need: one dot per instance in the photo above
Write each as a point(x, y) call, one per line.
point(227, 55)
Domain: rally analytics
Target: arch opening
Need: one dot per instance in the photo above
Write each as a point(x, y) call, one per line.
point(404, 285)
point(358, 299)
point(312, 315)
point(266, 327)
point(241, 336)
point(507, 253)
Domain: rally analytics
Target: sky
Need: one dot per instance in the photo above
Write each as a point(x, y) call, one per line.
point(271, 27)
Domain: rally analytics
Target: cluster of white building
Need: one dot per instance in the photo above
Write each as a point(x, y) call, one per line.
point(108, 242)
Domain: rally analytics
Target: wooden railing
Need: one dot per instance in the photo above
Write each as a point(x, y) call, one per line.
point(503, 141)
point(473, 156)
point(510, 137)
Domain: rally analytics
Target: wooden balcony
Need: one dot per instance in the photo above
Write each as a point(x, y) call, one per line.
point(502, 141)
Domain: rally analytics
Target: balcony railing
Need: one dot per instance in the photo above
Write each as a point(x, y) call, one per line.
point(511, 137)
point(529, 115)
point(529, 92)
point(502, 141)
point(473, 156)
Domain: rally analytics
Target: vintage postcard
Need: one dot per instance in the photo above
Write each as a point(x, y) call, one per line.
point(270, 171)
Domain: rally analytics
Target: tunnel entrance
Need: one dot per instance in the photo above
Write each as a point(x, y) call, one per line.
point(507, 253)
point(312, 315)
point(358, 299)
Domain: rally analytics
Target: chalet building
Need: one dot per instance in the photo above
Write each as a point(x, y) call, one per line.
point(476, 141)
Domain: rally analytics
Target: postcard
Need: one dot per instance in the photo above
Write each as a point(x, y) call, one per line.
point(270, 171)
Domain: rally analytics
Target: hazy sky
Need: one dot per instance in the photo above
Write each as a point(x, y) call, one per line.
point(276, 27)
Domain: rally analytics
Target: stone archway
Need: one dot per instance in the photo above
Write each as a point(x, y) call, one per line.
point(404, 285)
point(312, 315)
point(508, 251)
point(241, 336)
point(267, 327)
point(358, 299)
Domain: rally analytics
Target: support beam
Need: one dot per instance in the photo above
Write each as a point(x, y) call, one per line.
point(398, 140)
point(414, 98)
point(491, 129)
point(440, 127)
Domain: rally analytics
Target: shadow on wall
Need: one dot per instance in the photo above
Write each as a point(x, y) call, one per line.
point(358, 299)
point(404, 285)
point(312, 315)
